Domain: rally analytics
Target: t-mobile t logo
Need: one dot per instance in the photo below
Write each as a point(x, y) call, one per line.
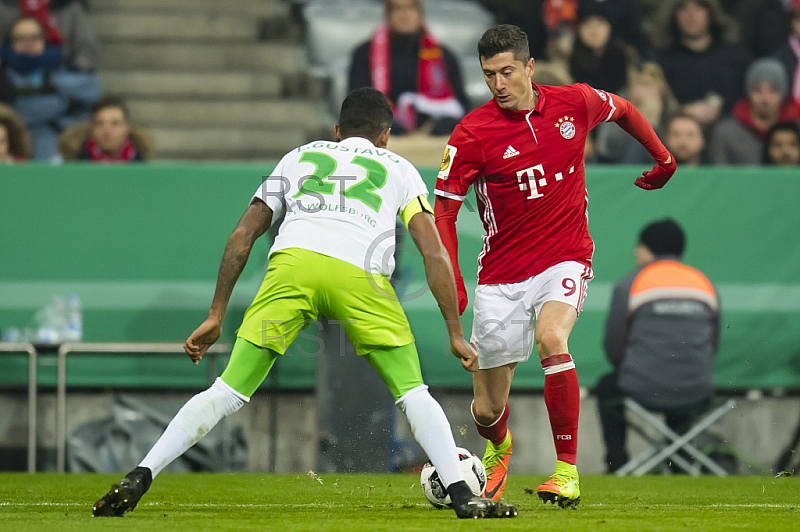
point(533, 182)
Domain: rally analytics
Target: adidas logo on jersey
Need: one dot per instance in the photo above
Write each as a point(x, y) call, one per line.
point(510, 152)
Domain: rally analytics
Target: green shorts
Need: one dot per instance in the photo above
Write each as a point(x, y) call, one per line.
point(301, 285)
point(250, 364)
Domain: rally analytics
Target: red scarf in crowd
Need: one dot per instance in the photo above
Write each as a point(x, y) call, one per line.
point(741, 112)
point(38, 10)
point(126, 154)
point(433, 84)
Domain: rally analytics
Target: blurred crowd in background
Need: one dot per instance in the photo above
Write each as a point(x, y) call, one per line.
point(718, 79)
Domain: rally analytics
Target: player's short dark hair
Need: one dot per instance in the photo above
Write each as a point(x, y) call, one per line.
point(110, 101)
point(366, 112)
point(505, 38)
point(664, 237)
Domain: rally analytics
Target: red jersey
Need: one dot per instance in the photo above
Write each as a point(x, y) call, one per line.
point(527, 171)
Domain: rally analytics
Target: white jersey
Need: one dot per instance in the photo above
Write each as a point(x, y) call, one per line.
point(341, 199)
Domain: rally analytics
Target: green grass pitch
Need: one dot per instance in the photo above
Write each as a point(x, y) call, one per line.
point(51, 502)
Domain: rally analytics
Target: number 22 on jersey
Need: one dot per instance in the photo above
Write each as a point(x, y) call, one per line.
point(321, 182)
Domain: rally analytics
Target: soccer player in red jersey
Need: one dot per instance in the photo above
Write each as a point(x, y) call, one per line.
point(522, 152)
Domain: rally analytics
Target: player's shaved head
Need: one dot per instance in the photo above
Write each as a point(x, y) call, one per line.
point(505, 38)
point(365, 113)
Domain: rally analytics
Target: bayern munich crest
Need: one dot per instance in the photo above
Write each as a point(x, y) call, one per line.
point(566, 126)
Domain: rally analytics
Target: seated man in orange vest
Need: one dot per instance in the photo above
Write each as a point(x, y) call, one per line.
point(421, 78)
point(662, 333)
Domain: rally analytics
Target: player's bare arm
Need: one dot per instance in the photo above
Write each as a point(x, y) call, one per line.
point(446, 212)
point(439, 274)
point(254, 223)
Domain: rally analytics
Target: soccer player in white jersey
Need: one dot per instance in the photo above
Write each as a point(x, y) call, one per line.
point(332, 257)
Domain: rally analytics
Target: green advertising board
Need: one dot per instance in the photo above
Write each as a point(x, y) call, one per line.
point(141, 246)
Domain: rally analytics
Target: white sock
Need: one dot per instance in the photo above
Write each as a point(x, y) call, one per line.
point(193, 421)
point(432, 430)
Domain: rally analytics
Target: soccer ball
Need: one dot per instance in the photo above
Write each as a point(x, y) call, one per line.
point(435, 490)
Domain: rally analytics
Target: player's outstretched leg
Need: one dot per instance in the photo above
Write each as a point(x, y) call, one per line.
point(468, 506)
point(124, 495)
point(198, 416)
point(563, 488)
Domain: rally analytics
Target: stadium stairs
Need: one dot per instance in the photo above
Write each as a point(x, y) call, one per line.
point(212, 80)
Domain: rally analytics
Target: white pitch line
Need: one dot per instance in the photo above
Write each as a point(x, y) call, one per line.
point(366, 501)
point(713, 505)
point(204, 505)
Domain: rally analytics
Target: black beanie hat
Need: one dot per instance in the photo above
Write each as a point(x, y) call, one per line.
point(664, 237)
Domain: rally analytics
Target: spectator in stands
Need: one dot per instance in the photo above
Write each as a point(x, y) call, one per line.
point(560, 19)
point(661, 336)
point(738, 139)
point(15, 143)
point(789, 54)
point(626, 19)
point(649, 92)
point(551, 24)
point(548, 22)
point(527, 14)
point(67, 25)
point(704, 65)
point(763, 25)
point(598, 58)
point(421, 78)
point(782, 145)
point(49, 96)
point(685, 140)
point(107, 138)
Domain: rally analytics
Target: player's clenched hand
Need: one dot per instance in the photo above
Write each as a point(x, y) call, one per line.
point(201, 339)
point(462, 350)
point(658, 176)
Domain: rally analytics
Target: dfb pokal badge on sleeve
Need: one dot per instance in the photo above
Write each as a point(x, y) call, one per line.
point(447, 162)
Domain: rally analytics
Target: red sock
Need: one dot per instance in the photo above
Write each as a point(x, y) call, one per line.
point(496, 432)
point(562, 396)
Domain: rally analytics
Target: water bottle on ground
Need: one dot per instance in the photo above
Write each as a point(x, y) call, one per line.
point(12, 334)
point(73, 324)
point(51, 321)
